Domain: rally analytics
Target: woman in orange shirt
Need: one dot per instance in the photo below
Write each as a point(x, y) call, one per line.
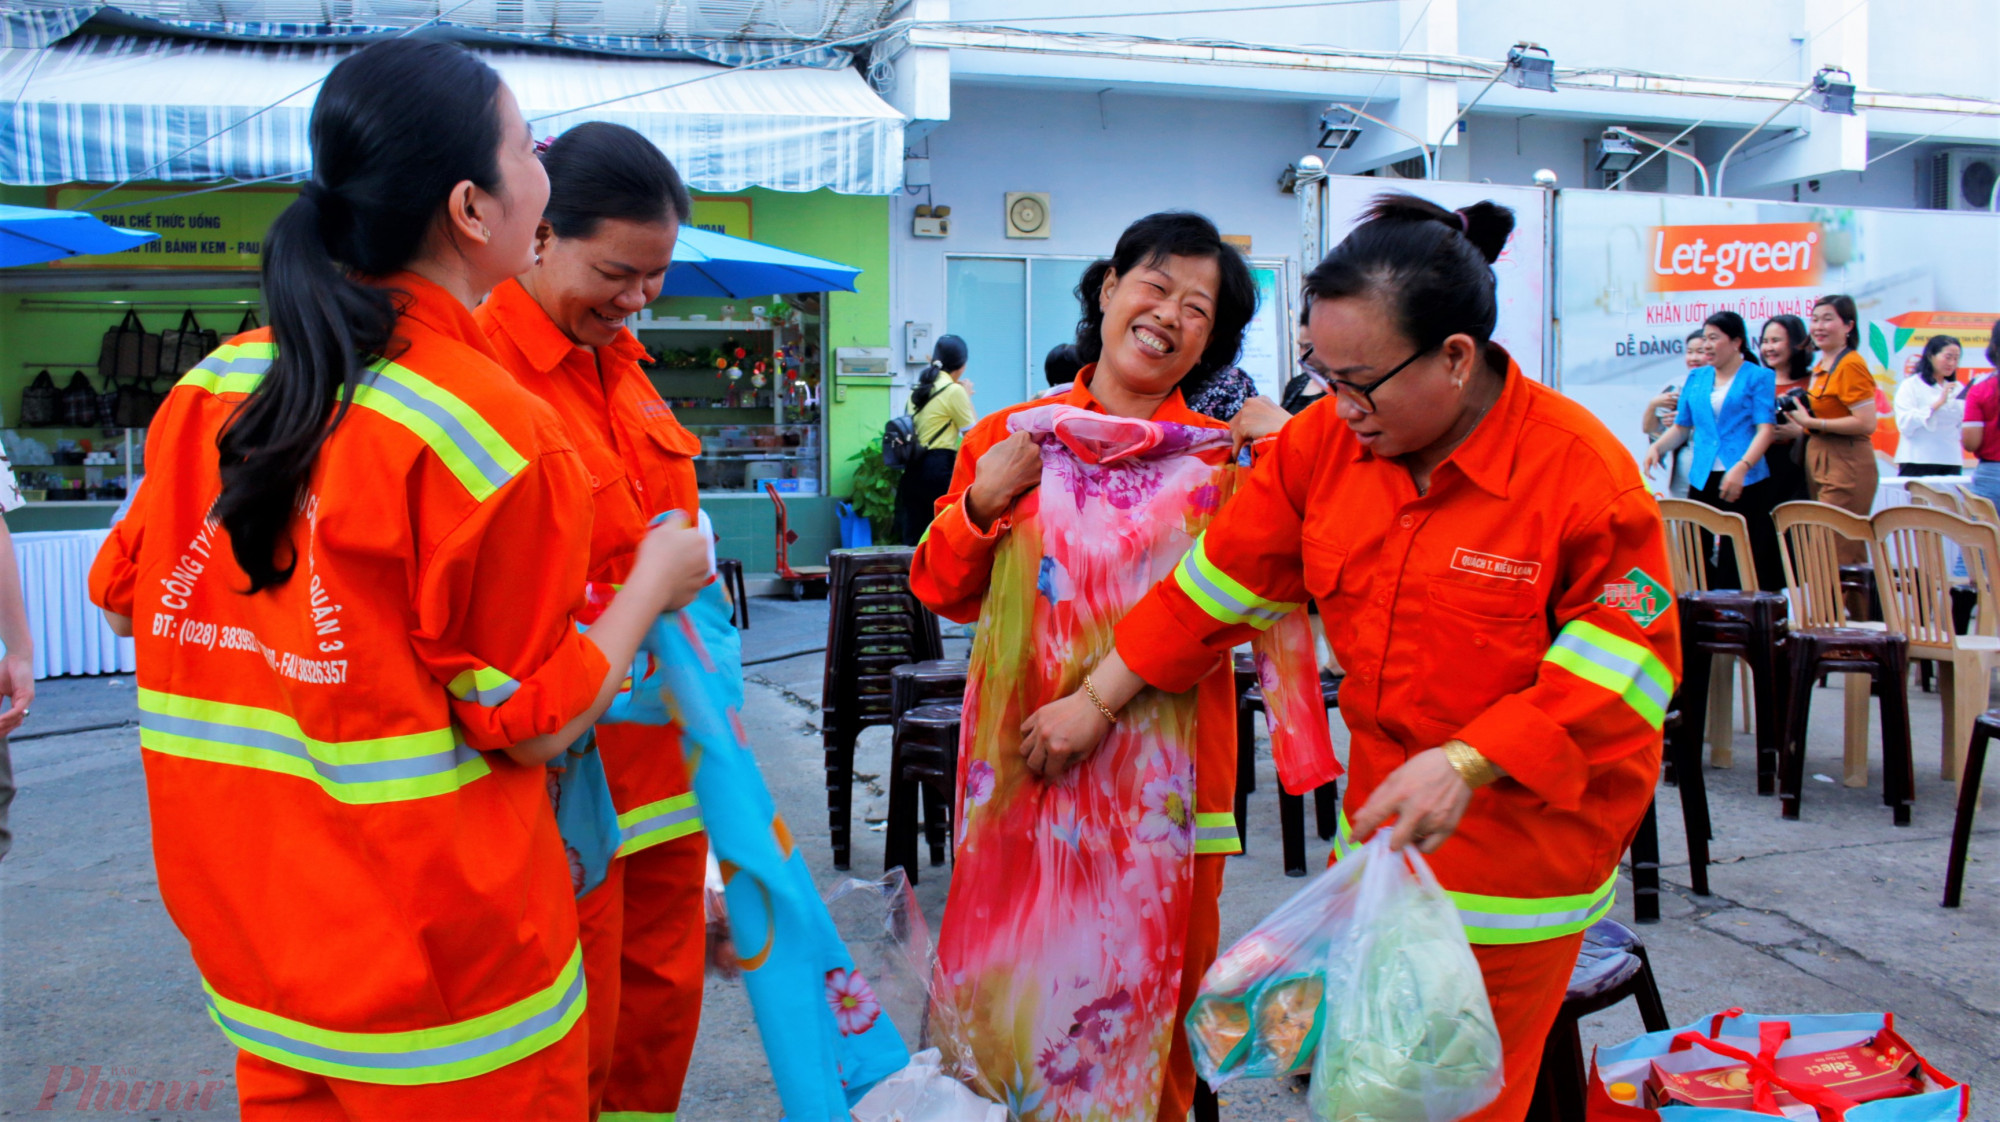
point(601, 253)
point(1838, 416)
point(1490, 567)
point(356, 647)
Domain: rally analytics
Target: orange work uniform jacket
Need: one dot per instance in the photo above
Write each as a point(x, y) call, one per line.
point(371, 891)
point(1521, 605)
point(641, 464)
point(954, 562)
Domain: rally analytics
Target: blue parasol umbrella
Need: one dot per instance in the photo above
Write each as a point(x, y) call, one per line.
point(30, 235)
point(711, 264)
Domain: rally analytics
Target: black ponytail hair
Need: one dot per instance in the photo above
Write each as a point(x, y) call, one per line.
point(1937, 343)
point(396, 126)
point(1802, 345)
point(1150, 241)
point(1432, 267)
point(1732, 327)
point(1843, 306)
point(599, 170)
point(948, 353)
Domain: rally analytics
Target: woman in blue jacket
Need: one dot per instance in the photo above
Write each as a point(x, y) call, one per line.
point(1729, 407)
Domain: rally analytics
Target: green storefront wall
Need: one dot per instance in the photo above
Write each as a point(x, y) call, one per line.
point(851, 229)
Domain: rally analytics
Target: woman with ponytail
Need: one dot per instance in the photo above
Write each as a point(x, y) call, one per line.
point(942, 404)
point(1492, 573)
point(352, 576)
point(602, 250)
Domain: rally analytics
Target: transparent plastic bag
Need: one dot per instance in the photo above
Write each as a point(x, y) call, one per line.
point(886, 932)
point(922, 1092)
point(1407, 1033)
point(1259, 1008)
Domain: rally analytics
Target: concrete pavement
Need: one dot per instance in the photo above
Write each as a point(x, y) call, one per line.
point(1837, 912)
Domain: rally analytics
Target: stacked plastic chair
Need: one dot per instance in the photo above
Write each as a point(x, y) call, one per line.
point(873, 625)
point(925, 698)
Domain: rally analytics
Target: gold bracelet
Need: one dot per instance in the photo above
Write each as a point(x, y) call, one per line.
point(1098, 701)
point(1471, 766)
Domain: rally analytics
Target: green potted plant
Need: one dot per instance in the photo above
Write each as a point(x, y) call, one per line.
point(874, 496)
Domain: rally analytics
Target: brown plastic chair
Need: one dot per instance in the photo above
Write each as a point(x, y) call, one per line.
point(1827, 639)
point(1937, 498)
point(1291, 808)
point(1917, 599)
point(798, 576)
point(1984, 728)
point(1689, 524)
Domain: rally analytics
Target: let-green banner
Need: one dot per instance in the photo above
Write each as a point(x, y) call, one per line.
point(219, 230)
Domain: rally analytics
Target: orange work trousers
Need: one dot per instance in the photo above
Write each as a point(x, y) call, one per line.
point(661, 960)
point(600, 925)
point(548, 1086)
point(1204, 931)
point(1526, 983)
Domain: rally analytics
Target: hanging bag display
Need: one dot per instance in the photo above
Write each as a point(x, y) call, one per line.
point(249, 323)
point(128, 352)
point(41, 402)
point(79, 402)
point(133, 405)
point(183, 347)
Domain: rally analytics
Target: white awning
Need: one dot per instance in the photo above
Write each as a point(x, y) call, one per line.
point(104, 109)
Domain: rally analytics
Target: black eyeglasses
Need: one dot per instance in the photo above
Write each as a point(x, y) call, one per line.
point(1361, 397)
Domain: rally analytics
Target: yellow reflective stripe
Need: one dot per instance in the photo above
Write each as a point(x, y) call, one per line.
point(1629, 670)
point(1491, 920)
point(1216, 832)
point(472, 449)
point(482, 685)
point(433, 1055)
point(1222, 596)
point(232, 368)
point(384, 769)
point(656, 822)
point(1524, 919)
point(635, 1116)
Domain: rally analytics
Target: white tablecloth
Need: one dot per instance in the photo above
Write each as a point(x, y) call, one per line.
point(70, 634)
point(1894, 490)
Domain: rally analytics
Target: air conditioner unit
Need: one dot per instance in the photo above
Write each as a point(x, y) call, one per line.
point(1964, 178)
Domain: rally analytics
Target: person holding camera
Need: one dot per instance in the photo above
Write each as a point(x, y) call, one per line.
point(1727, 407)
point(1786, 347)
point(1838, 416)
point(1662, 407)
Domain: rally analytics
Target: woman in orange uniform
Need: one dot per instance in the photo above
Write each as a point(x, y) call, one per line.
point(356, 646)
point(1083, 907)
point(1491, 571)
point(602, 250)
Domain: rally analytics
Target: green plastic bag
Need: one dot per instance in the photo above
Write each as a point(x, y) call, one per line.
point(1406, 1033)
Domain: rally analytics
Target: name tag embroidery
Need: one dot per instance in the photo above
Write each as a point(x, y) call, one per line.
point(1493, 565)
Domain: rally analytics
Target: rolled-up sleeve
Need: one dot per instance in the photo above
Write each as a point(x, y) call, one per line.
point(495, 608)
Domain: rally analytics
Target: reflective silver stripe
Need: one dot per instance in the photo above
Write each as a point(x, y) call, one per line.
point(461, 439)
point(1215, 833)
point(660, 822)
point(1506, 921)
point(238, 365)
point(492, 695)
point(1234, 604)
point(417, 1058)
point(1625, 668)
point(412, 767)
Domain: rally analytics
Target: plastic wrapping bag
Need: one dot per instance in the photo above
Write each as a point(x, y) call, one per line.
point(1259, 1007)
point(886, 933)
point(1408, 1034)
point(922, 1093)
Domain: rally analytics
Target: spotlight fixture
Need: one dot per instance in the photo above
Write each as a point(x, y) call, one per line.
point(1339, 128)
point(1616, 154)
point(1830, 96)
point(1529, 67)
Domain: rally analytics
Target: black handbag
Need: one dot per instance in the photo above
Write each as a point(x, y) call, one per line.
point(41, 402)
point(134, 404)
point(129, 352)
point(182, 348)
point(79, 402)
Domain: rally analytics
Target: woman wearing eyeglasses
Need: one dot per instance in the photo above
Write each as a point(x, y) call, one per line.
point(1492, 573)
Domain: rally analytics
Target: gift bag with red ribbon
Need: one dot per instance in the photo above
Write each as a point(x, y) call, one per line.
point(1852, 1067)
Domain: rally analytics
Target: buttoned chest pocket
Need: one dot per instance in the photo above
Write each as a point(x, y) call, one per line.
point(1482, 641)
point(1326, 570)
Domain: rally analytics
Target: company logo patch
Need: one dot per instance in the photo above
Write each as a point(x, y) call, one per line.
point(1493, 565)
point(1638, 596)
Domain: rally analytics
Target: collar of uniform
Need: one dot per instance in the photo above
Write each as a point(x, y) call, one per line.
point(540, 341)
point(1173, 410)
point(437, 309)
point(1487, 456)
